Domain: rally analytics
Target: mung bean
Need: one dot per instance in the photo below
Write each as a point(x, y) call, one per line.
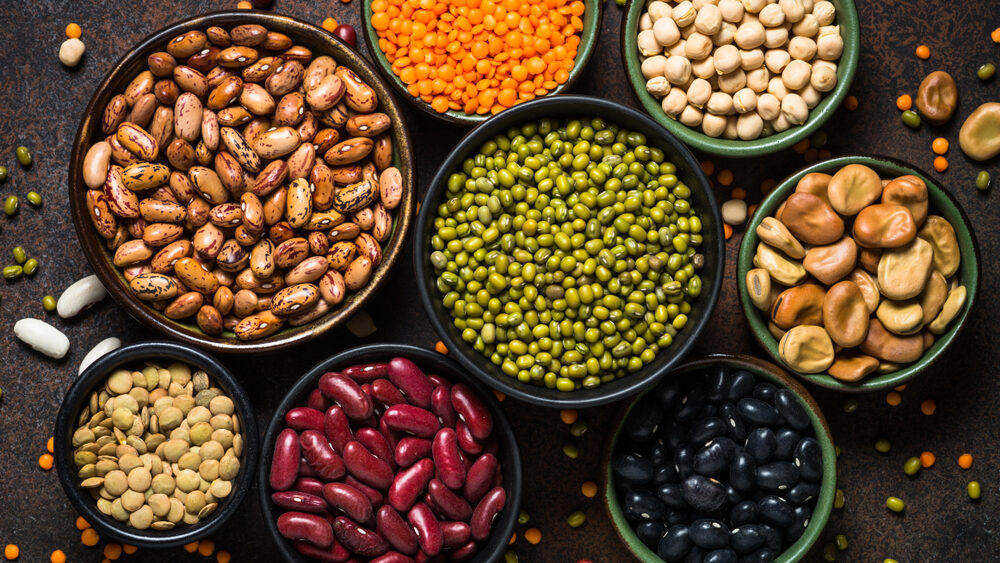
point(19, 254)
point(11, 206)
point(975, 490)
point(882, 446)
point(30, 267)
point(912, 466)
point(895, 504)
point(34, 198)
point(911, 119)
point(983, 180)
point(850, 405)
point(23, 156)
point(571, 450)
point(576, 519)
point(523, 517)
point(841, 542)
point(49, 303)
point(838, 499)
point(3, 173)
point(986, 71)
point(12, 272)
point(829, 552)
point(578, 428)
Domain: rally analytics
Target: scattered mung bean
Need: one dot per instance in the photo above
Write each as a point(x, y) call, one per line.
point(983, 180)
point(30, 267)
point(49, 303)
point(11, 206)
point(23, 156)
point(3, 173)
point(19, 254)
point(576, 519)
point(571, 450)
point(829, 552)
point(912, 466)
point(986, 71)
point(12, 272)
point(578, 428)
point(911, 119)
point(975, 491)
point(34, 198)
point(841, 542)
point(895, 504)
point(882, 446)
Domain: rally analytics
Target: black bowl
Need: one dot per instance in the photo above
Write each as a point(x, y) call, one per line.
point(78, 395)
point(430, 362)
point(713, 248)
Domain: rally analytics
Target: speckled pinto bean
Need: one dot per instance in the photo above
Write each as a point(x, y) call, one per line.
point(411, 380)
point(448, 503)
point(366, 373)
point(409, 484)
point(486, 511)
point(414, 420)
point(302, 526)
point(448, 458)
point(337, 428)
point(472, 409)
point(480, 477)
point(347, 393)
point(376, 443)
point(391, 526)
point(350, 501)
point(357, 539)
point(297, 500)
point(441, 405)
point(409, 450)
point(320, 455)
point(305, 418)
point(366, 467)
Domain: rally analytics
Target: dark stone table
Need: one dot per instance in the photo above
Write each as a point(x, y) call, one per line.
point(41, 105)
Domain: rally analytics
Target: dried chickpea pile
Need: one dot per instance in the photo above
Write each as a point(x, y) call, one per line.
point(243, 182)
point(479, 56)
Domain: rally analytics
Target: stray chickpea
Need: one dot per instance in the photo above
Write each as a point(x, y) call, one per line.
point(725, 35)
point(691, 116)
point(772, 15)
point(658, 86)
point(776, 60)
point(754, 6)
point(653, 66)
point(775, 37)
point(749, 126)
point(726, 59)
point(708, 20)
point(796, 74)
point(719, 103)
point(674, 102)
point(749, 35)
point(684, 14)
point(665, 31)
point(677, 70)
point(645, 22)
point(698, 46)
point(752, 59)
point(745, 100)
point(699, 92)
point(658, 10)
point(808, 26)
point(802, 48)
point(757, 79)
point(794, 109)
point(793, 9)
point(732, 10)
point(648, 46)
point(732, 82)
point(713, 125)
point(811, 96)
point(777, 87)
point(731, 132)
point(768, 106)
point(829, 44)
point(824, 11)
point(823, 78)
point(704, 68)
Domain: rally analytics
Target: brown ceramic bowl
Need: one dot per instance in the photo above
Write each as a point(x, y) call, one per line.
point(100, 258)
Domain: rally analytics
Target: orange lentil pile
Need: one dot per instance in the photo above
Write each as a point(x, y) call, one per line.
point(479, 56)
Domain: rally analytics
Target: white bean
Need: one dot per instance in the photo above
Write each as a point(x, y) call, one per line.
point(42, 336)
point(665, 31)
point(734, 212)
point(713, 125)
point(100, 349)
point(699, 92)
point(768, 106)
point(794, 109)
point(708, 20)
point(653, 66)
point(82, 294)
point(71, 51)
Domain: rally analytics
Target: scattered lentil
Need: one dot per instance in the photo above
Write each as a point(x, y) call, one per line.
point(589, 489)
point(568, 416)
point(576, 519)
point(940, 145)
point(927, 459)
point(912, 466)
point(882, 446)
point(58, 556)
point(727, 229)
point(513, 538)
point(330, 24)
point(206, 547)
point(11, 552)
point(193, 546)
point(130, 549)
point(223, 556)
point(533, 535)
point(895, 504)
point(81, 523)
point(975, 491)
point(113, 551)
point(708, 167)
point(89, 537)
point(725, 177)
point(73, 31)
point(900, 388)
point(242, 5)
point(940, 164)
point(50, 445)
point(738, 193)
point(928, 406)
point(851, 103)
point(965, 461)
point(995, 35)
point(893, 398)
point(923, 52)
point(440, 348)
point(802, 146)
point(983, 180)
point(904, 102)
point(45, 461)
point(500, 395)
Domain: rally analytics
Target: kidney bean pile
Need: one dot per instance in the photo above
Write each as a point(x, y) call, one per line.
point(387, 463)
point(718, 466)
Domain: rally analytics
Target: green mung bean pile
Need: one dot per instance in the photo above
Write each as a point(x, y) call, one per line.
point(567, 252)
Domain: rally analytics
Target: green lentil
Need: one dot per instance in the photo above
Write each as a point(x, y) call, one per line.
point(912, 466)
point(986, 71)
point(579, 427)
point(818, 139)
point(911, 119)
point(838, 499)
point(841, 542)
point(34, 198)
point(974, 490)
point(49, 303)
point(11, 205)
point(19, 255)
point(523, 517)
point(895, 504)
point(23, 156)
point(12, 272)
point(983, 180)
point(571, 450)
point(3, 173)
point(576, 519)
point(30, 267)
point(850, 405)
point(829, 552)
point(882, 446)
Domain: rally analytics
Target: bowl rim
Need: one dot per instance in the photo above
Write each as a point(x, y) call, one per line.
point(99, 259)
point(510, 461)
point(881, 164)
point(510, 386)
point(591, 30)
point(774, 374)
point(847, 19)
point(91, 377)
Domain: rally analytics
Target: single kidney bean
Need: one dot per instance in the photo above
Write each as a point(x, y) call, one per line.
point(411, 381)
point(296, 500)
point(448, 503)
point(441, 405)
point(409, 450)
point(466, 440)
point(317, 401)
point(472, 409)
point(337, 428)
point(366, 467)
point(448, 458)
point(415, 420)
point(304, 418)
point(306, 470)
point(438, 381)
point(336, 553)
point(391, 526)
point(428, 529)
point(480, 477)
point(347, 393)
point(386, 393)
point(391, 435)
point(456, 534)
point(350, 501)
point(285, 462)
point(486, 511)
point(373, 494)
point(305, 527)
point(366, 373)
point(392, 557)
point(309, 485)
point(321, 456)
point(361, 541)
point(376, 444)
point(465, 552)
point(409, 484)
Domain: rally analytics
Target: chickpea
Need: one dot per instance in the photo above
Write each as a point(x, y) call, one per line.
point(828, 64)
point(757, 79)
point(674, 102)
point(777, 87)
point(665, 31)
point(698, 46)
point(824, 11)
point(648, 46)
point(754, 6)
point(708, 20)
point(780, 123)
point(684, 14)
point(767, 130)
point(713, 125)
point(749, 35)
point(823, 78)
point(830, 44)
point(726, 59)
point(802, 48)
point(725, 35)
point(704, 68)
point(794, 109)
point(768, 106)
point(731, 131)
point(677, 70)
point(752, 59)
point(699, 4)
point(772, 15)
point(699, 92)
point(732, 10)
point(691, 116)
point(688, 31)
point(807, 5)
point(745, 100)
point(720, 103)
point(749, 18)
point(658, 10)
point(775, 37)
point(808, 26)
point(776, 60)
point(645, 22)
point(811, 96)
point(658, 86)
point(677, 49)
point(653, 66)
point(732, 82)
point(796, 74)
point(749, 126)
point(793, 9)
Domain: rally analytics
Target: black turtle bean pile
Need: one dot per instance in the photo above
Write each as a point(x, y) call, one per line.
point(718, 467)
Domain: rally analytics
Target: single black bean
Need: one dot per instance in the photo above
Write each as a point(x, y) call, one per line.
point(761, 444)
point(690, 405)
point(740, 386)
point(791, 410)
point(644, 420)
point(758, 412)
point(665, 474)
point(717, 379)
point(669, 393)
point(732, 495)
point(802, 492)
point(787, 439)
point(736, 428)
point(764, 391)
point(747, 538)
point(704, 429)
point(641, 504)
point(709, 533)
point(715, 456)
point(720, 556)
point(777, 476)
point(673, 434)
point(742, 471)
point(675, 517)
point(672, 494)
point(762, 555)
point(809, 458)
point(650, 533)
point(657, 453)
point(633, 468)
point(696, 555)
point(798, 527)
point(684, 460)
point(675, 544)
point(703, 493)
point(776, 511)
point(772, 539)
point(746, 512)
point(709, 410)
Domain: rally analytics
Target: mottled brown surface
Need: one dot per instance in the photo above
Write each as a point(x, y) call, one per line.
point(40, 107)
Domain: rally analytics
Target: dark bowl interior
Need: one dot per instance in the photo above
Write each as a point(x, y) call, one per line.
point(79, 394)
point(430, 362)
point(100, 258)
point(689, 172)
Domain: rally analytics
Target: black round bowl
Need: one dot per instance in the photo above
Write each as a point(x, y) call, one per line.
point(430, 362)
point(78, 395)
point(713, 248)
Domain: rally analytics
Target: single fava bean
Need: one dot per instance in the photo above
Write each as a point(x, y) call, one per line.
point(853, 188)
point(903, 271)
point(910, 192)
point(815, 183)
point(845, 314)
point(868, 286)
point(811, 219)
point(773, 232)
point(831, 263)
point(806, 349)
point(900, 317)
point(952, 307)
point(890, 347)
point(979, 136)
point(781, 268)
point(941, 236)
point(800, 305)
point(884, 225)
point(762, 292)
point(933, 297)
point(852, 366)
point(868, 259)
point(937, 97)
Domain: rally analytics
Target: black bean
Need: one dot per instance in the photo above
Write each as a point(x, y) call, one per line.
point(672, 494)
point(709, 533)
point(787, 440)
point(691, 404)
point(764, 391)
point(772, 539)
point(740, 385)
point(709, 410)
point(675, 544)
point(669, 393)
point(742, 471)
point(802, 492)
point(791, 410)
point(650, 533)
point(761, 444)
point(657, 453)
point(777, 476)
point(746, 512)
point(641, 504)
point(796, 529)
point(674, 517)
point(717, 379)
point(809, 458)
point(643, 420)
point(684, 460)
point(704, 429)
point(776, 511)
point(757, 412)
point(665, 474)
point(733, 496)
point(720, 556)
point(696, 555)
point(747, 538)
point(673, 434)
point(715, 456)
point(762, 555)
point(735, 426)
point(632, 468)
point(703, 493)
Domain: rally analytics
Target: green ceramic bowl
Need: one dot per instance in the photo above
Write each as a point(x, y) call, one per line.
point(847, 19)
point(941, 203)
point(769, 372)
point(588, 40)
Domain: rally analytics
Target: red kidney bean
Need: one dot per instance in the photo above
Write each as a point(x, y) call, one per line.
point(336, 553)
point(448, 458)
point(304, 418)
point(441, 405)
point(448, 503)
point(411, 381)
point(296, 500)
point(391, 435)
point(306, 527)
point(317, 401)
point(472, 409)
point(285, 462)
point(391, 526)
point(376, 444)
point(337, 428)
point(466, 440)
point(415, 420)
point(306, 470)
point(498, 476)
point(361, 541)
point(409, 450)
point(456, 534)
point(486, 511)
point(409, 484)
point(366, 373)
point(438, 381)
point(320, 455)
point(386, 393)
point(350, 501)
point(366, 467)
point(392, 557)
point(465, 552)
point(480, 477)
point(428, 529)
point(347, 393)
point(373, 494)
point(309, 485)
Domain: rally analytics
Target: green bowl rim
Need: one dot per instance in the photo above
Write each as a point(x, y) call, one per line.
point(943, 201)
point(775, 374)
point(589, 37)
point(847, 19)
